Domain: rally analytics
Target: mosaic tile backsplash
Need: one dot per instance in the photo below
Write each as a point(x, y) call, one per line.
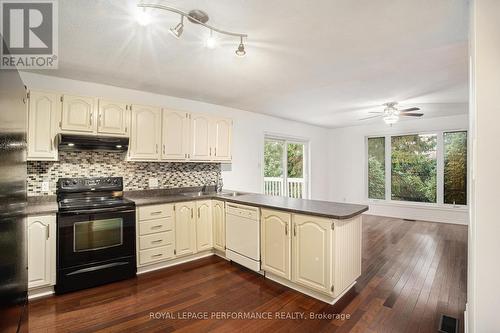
point(135, 175)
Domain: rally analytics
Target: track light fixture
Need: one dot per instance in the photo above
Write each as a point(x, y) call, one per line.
point(201, 18)
point(179, 28)
point(240, 52)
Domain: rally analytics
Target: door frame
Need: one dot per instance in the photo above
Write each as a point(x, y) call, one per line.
point(287, 139)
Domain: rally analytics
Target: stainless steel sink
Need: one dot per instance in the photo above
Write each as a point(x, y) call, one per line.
point(231, 194)
point(198, 194)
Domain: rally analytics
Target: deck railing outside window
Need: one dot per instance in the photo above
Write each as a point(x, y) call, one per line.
point(274, 186)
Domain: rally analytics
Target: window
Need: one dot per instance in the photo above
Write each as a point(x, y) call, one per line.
point(284, 168)
point(455, 168)
point(376, 168)
point(413, 168)
point(427, 168)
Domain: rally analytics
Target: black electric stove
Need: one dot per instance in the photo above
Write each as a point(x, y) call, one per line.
point(95, 233)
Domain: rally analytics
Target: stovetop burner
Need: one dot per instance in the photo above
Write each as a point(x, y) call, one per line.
point(91, 193)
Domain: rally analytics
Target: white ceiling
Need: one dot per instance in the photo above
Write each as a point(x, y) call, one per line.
point(324, 62)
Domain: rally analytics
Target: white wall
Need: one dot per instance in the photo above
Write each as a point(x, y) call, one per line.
point(347, 160)
point(483, 292)
point(248, 133)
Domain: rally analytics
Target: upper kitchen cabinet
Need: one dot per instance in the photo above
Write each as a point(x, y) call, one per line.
point(221, 134)
point(201, 137)
point(78, 114)
point(145, 136)
point(175, 135)
point(43, 109)
point(113, 118)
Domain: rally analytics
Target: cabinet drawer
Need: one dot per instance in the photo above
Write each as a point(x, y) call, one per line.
point(155, 240)
point(156, 254)
point(155, 226)
point(155, 212)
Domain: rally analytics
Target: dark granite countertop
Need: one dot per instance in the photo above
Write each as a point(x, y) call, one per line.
point(327, 209)
point(41, 205)
point(335, 210)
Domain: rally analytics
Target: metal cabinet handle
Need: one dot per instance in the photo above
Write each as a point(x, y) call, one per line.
point(215, 151)
point(156, 255)
point(191, 212)
point(163, 149)
point(198, 212)
point(295, 230)
point(210, 151)
point(91, 118)
point(157, 241)
point(286, 229)
point(99, 121)
point(157, 212)
point(157, 148)
point(47, 232)
point(156, 226)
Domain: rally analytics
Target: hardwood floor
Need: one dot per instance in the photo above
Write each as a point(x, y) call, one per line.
point(412, 272)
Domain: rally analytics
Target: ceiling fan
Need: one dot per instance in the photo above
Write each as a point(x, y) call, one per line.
point(391, 113)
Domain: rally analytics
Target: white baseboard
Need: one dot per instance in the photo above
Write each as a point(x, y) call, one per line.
point(40, 292)
point(420, 213)
point(174, 262)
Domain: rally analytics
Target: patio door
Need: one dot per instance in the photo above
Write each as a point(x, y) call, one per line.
point(285, 167)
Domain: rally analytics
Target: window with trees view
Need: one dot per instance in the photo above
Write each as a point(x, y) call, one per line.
point(428, 168)
point(284, 168)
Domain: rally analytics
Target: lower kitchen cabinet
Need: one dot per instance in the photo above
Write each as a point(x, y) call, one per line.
point(312, 237)
point(185, 228)
point(41, 234)
point(219, 225)
point(203, 225)
point(276, 245)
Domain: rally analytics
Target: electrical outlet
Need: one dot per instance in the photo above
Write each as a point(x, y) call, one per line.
point(153, 182)
point(45, 186)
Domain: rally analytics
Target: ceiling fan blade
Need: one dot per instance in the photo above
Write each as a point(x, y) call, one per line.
point(409, 109)
point(411, 114)
point(370, 117)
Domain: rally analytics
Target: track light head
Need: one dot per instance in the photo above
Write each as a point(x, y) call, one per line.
point(179, 28)
point(240, 52)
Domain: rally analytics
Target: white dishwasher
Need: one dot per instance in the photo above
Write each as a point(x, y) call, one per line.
point(243, 235)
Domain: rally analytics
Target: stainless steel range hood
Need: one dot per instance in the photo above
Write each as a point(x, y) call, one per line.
point(72, 142)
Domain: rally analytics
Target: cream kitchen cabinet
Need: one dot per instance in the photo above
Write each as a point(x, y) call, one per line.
point(145, 136)
point(201, 137)
point(113, 118)
point(276, 242)
point(175, 135)
point(41, 235)
point(185, 228)
point(312, 250)
point(221, 136)
point(78, 114)
point(43, 111)
point(203, 225)
point(219, 225)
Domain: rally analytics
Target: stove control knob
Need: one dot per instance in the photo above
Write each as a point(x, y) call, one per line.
point(108, 180)
point(115, 181)
point(66, 182)
point(74, 182)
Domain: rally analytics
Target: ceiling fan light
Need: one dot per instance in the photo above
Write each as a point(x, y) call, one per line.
point(391, 119)
point(179, 28)
point(211, 41)
point(143, 17)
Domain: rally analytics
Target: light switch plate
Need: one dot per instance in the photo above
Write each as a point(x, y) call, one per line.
point(45, 186)
point(153, 182)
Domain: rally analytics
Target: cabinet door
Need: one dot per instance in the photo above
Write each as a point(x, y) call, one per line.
point(219, 225)
point(41, 251)
point(78, 114)
point(43, 109)
point(145, 133)
point(175, 135)
point(276, 242)
point(200, 138)
point(312, 252)
point(113, 118)
point(185, 228)
point(221, 135)
point(203, 225)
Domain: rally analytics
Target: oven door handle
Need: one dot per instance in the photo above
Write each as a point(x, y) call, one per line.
point(98, 210)
point(96, 268)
